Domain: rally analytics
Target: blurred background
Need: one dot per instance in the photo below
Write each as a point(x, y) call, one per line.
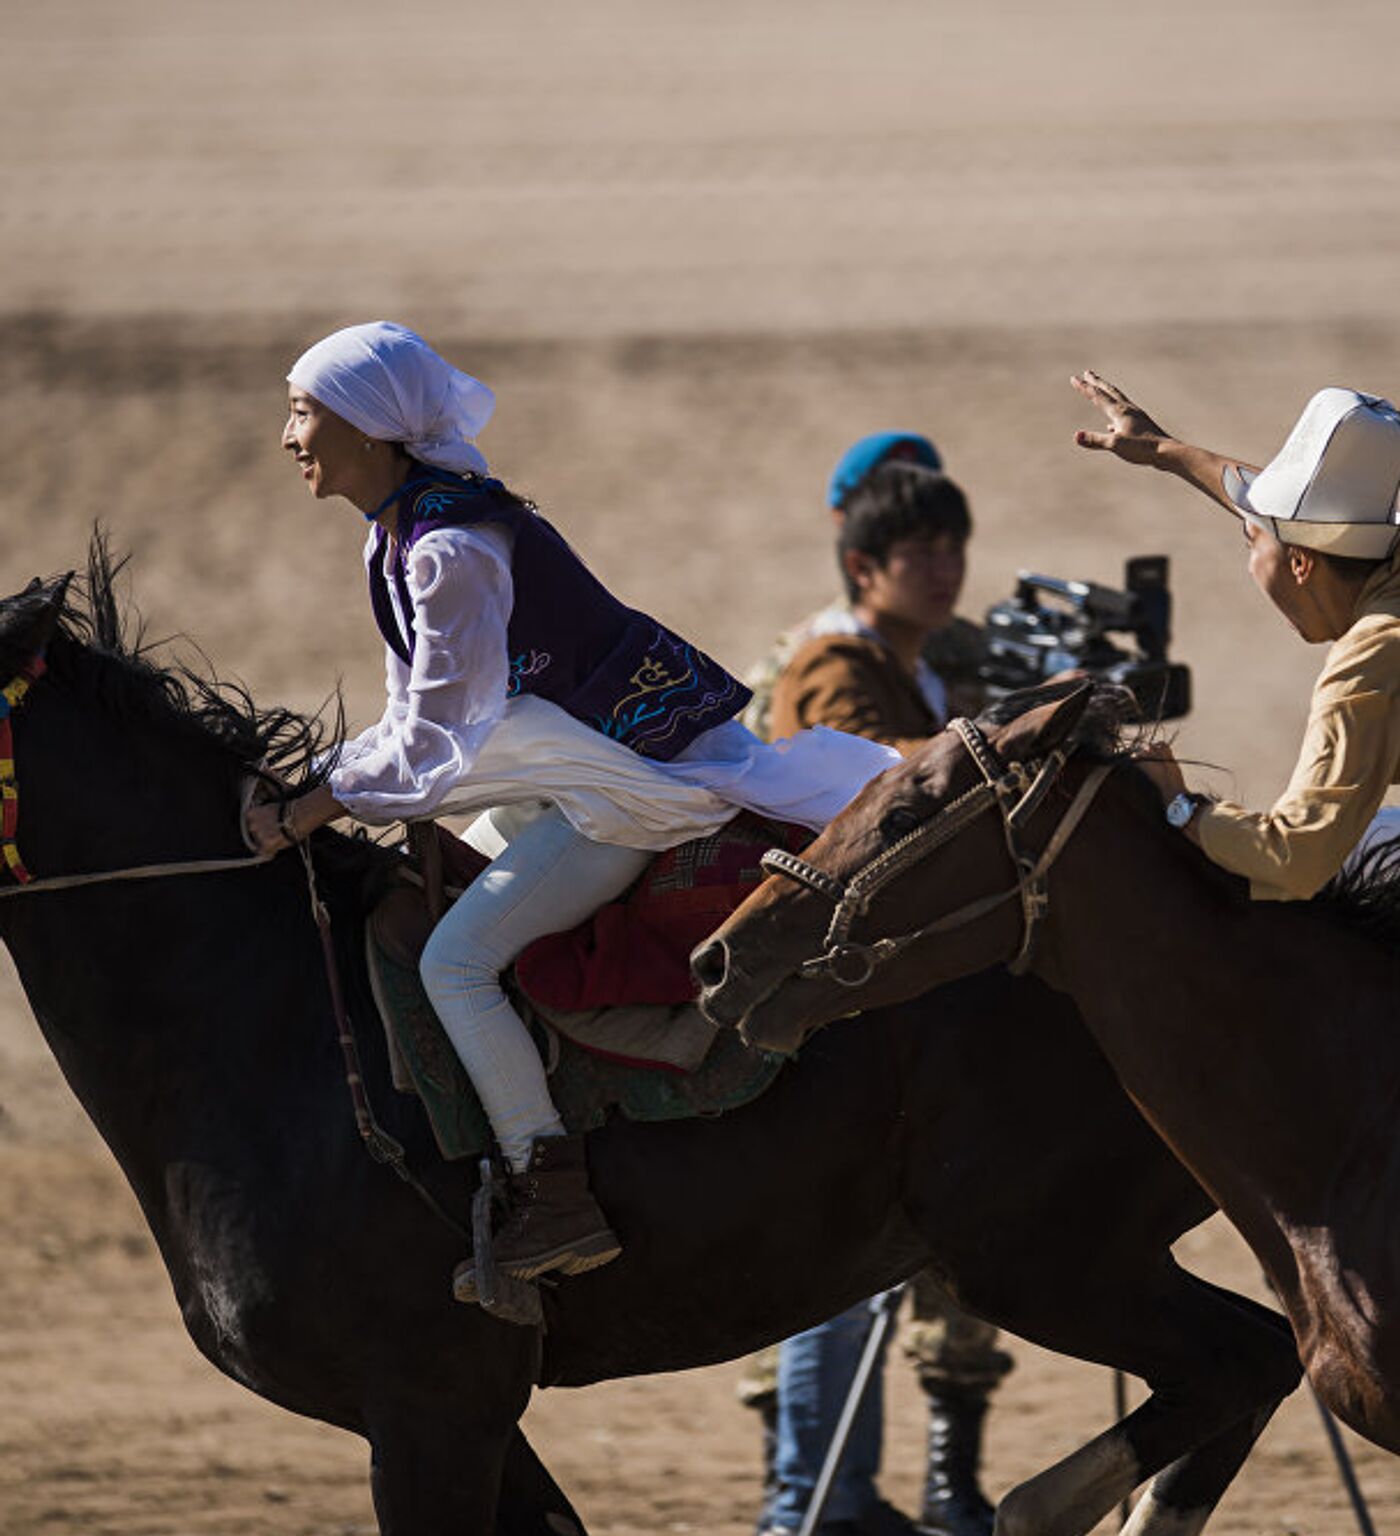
point(697, 249)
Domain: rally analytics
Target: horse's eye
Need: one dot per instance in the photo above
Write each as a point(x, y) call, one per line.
point(899, 823)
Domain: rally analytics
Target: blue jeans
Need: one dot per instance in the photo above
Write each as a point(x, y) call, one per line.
point(815, 1371)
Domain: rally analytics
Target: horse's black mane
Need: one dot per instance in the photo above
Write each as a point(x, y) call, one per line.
point(1365, 896)
point(1110, 728)
point(98, 648)
point(112, 659)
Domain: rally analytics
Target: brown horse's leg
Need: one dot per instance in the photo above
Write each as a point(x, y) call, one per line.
point(1182, 1498)
point(1354, 1355)
point(1211, 1365)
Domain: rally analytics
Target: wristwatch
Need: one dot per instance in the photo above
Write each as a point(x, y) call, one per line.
point(1181, 808)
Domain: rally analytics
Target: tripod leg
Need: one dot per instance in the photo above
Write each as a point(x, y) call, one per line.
point(884, 1306)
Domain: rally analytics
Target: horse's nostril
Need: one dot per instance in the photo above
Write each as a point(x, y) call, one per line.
point(710, 963)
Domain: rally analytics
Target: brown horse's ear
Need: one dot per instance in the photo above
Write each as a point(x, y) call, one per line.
point(1047, 726)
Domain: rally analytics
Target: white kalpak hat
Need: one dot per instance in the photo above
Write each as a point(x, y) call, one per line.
point(1334, 486)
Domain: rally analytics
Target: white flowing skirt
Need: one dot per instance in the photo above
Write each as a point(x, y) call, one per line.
point(538, 752)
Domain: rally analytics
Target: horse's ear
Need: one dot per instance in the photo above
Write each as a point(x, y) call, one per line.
point(30, 617)
point(55, 595)
point(1042, 729)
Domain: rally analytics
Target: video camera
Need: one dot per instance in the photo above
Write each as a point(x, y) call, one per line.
point(1027, 642)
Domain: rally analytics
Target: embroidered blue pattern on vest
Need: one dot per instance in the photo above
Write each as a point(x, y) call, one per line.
point(668, 690)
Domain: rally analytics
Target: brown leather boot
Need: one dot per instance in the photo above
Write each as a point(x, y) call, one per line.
point(555, 1224)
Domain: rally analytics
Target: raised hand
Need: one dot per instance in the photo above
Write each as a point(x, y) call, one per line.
point(1132, 434)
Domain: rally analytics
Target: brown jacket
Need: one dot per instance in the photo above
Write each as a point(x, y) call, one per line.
point(956, 654)
point(854, 684)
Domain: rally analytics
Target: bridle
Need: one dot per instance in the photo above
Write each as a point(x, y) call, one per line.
point(1017, 790)
point(11, 697)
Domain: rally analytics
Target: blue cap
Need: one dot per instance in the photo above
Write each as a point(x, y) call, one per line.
point(869, 453)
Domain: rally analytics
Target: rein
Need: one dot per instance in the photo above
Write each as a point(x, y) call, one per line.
point(1017, 791)
point(380, 1145)
point(32, 887)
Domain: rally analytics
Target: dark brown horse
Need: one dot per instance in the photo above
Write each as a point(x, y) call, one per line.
point(190, 1014)
point(1261, 1040)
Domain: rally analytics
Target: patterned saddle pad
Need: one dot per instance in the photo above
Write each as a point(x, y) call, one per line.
point(585, 1086)
point(651, 1057)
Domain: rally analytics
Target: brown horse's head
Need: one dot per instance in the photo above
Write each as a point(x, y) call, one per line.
point(755, 972)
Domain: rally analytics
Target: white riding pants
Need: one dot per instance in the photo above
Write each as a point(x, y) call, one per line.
point(547, 879)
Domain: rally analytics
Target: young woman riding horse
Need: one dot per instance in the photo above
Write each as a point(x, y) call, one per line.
point(517, 680)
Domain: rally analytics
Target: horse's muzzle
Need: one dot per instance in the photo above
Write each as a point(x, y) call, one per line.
point(709, 963)
point(732, 999)
point(724, 998)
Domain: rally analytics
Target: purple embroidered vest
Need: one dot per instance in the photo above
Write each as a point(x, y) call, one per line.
point(570, 640)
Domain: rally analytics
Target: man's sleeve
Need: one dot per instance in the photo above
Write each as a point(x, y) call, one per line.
point(1349, 758)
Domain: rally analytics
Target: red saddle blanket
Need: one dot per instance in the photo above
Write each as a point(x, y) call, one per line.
point(637, 949)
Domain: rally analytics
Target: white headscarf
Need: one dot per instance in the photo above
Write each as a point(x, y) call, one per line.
point(391, 385)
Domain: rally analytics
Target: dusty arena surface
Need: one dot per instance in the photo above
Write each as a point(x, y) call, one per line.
point(697, 249)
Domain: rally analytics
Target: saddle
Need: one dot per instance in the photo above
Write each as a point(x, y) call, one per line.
point(611, 1004)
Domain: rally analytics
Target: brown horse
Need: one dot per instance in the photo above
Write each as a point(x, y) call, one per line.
point(1261, 1040)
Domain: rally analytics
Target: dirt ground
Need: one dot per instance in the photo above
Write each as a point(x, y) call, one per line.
point(697, 249)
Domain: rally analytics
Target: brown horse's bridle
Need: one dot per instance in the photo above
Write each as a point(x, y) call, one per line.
point(1017, 790)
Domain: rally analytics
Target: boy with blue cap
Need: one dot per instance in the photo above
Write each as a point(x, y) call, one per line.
point(953, 653)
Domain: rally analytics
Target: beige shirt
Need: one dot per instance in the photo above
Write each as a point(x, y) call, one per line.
point(1350, 758)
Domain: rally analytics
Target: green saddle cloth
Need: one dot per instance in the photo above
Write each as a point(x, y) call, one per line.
point(585, 1086)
